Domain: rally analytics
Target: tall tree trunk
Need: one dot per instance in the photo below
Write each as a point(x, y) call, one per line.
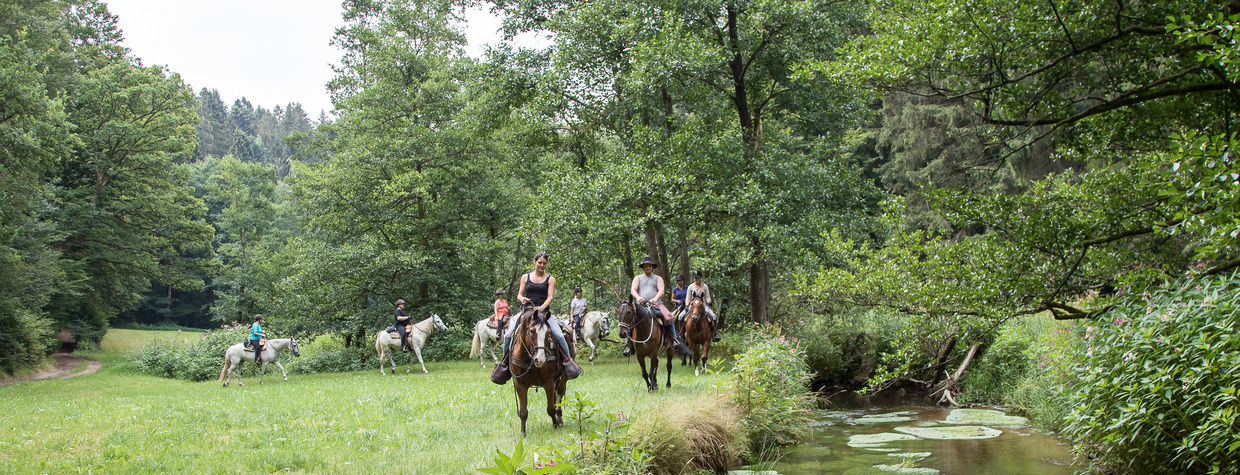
point(664, 263)
point(516, 269)
point(627, 267)
point(682, 250)
point(759, 285)
point(653, 236)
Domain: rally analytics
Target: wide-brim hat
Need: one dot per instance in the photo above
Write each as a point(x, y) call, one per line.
point(648, 260)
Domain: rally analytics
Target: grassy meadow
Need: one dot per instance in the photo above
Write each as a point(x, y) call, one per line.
point(120, 340)
point(448, 421)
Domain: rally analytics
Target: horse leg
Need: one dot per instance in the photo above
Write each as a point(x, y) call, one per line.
point(654, 370)
point(669, 368)
point(641, 361)
point(523, 410)
point(592, 349)
point(561, 389)
point(237, 368)
point(282, 373)
point(417, 350)
point(553, 401)
point(262, 369)
point(380, 350)
point(705, 353)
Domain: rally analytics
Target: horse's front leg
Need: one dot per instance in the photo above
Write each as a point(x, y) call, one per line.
point(641, 361)
point(282, 373)
point(654, 371)
point(417, 350)
point(669, 368)
point(523, 409)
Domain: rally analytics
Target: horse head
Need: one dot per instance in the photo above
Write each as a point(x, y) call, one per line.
point(627, 316)
point(696, 307)
point(439, 323)
point(292, 344)
point(536, 332)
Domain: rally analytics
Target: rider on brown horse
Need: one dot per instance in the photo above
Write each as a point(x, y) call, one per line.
point(647, 290)
point(535, 292)
point(699, 290)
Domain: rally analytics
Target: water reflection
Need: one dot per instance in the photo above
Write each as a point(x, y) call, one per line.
point(1018, 449)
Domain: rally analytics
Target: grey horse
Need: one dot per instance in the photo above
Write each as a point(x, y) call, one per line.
point(388, 344)
point(271, 354)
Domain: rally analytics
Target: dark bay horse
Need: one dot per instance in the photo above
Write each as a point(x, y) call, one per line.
point(648, 339)
point(534, 364)
point(697, 334)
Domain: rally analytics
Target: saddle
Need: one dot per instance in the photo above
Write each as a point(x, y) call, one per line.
point(492, 324)
point(395, 335)
point(246, 348)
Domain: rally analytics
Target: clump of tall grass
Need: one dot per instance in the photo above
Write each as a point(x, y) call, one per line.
point(706, 434)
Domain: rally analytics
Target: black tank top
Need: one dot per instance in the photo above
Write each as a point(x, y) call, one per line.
point(537, 291)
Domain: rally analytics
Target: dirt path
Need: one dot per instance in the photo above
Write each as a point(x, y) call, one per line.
point(64, 368)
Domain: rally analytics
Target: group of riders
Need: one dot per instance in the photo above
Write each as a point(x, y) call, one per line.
point(535, 292)
point(536, 289)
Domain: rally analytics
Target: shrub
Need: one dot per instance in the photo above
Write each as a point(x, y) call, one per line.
point(201, 360)
point(1157, 388)
point(1027, 366)
point(772, 389)
point(842, 349)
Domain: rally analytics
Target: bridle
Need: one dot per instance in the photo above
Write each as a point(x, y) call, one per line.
point(625, 326)
point(523, 335)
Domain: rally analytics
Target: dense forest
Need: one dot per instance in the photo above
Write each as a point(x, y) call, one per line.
point(900, 178)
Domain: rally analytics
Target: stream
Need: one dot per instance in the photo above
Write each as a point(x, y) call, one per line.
point(861, 436)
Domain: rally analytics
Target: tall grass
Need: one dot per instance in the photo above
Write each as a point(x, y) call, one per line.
point(449, 421)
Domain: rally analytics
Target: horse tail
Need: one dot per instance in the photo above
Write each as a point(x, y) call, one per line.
point(476, 347)
point(224, 370)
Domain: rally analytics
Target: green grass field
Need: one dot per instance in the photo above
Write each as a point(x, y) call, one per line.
point(119, 340)
point(449, 421)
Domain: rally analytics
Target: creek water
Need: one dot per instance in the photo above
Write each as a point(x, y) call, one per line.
point(903, 436)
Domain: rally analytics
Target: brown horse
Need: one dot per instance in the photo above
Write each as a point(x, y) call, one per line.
point(533, 364)
point(697, 334)
point(647, 339)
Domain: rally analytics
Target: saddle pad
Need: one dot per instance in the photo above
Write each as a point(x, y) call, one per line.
point(492, 324)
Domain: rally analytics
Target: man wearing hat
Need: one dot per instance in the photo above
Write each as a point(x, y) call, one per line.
point(402, 319)
point(579, 309)
point(647, 289)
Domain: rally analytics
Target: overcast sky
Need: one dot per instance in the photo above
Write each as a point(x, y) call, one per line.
point(270, 51)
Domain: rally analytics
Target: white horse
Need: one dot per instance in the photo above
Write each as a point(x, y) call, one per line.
point(484, 336)
point(388, 344)
point(236, 354)
point(593, 331)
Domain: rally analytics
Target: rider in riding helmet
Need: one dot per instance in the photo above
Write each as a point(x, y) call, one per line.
point(256, 338)
point(501, 309)
point(647, 290)
point(535, 292)
point(579, 307)
point(678, 298)
point(402, 319)
point(699, 290)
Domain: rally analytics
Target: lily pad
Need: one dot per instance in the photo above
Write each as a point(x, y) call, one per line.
point(877, 448)
point(911, 455)
point(874, 440)
point(951, 433)
point(988, 417)
point(883, 418)
point(753, 472)
point(903, 469)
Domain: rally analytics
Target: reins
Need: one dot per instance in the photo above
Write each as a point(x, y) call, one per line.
point(634, 327)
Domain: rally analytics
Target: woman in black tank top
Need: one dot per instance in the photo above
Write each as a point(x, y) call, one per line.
point(537, 289)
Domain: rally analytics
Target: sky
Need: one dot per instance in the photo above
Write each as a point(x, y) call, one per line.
point(272, 52)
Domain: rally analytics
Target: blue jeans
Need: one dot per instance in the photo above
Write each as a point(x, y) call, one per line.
point(552, 322)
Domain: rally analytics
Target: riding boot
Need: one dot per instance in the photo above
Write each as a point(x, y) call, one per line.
point(501, 374)
point(571, 369)
point(680, 345)
point(628, 348)
point(714, 332)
